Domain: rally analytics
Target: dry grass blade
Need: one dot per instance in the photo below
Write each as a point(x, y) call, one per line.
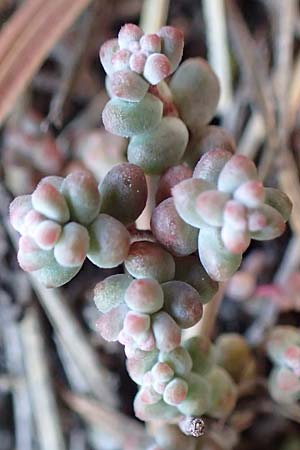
point(13, 29)
point(294, 95)
point(44, 405)
point(218, 51)
point(154, 15)
point(26, 41)
point(269, 313)
point(246, 53)
point(285, 40)
point(71, 70)
point(128, 431)
point(68, 328)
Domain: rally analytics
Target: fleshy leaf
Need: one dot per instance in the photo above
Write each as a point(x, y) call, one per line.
point(172, 44)
point(111, 323)
point(157, 411)
point(150, 260)
point(109, 242)
point(131, 118)
point(208, 138)
point(171, 231)
point(196, 92)
point(54, 275)
point(223, 393)
point(210, 165)
point(124, 193)
point(72, 246)
point(183, 303)
point(210, 206)
point(106, 53)
point(190, 270)
point(275, 225)
point(110, 292)
point(128, 86)
point(81, 193)
point(279, 201)
point(161, 147)
point(219, 263)
point(238, 170)
point(198, 399)
point(185, 195)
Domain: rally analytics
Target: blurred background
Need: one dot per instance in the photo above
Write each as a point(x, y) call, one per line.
point(61, 385)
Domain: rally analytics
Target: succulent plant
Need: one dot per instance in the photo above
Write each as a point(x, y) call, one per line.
point(135, 63)
point(66, 220)
point(228, 203)
point(283, 348)
point(164, 286)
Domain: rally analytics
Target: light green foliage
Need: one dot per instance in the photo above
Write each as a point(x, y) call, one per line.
point(130, 118)
point(161, 147)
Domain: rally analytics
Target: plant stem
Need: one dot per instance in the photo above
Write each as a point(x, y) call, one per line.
point(143, 222)
point(205, 327)
point(153, 17)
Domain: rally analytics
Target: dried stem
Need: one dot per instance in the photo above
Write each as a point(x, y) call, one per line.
point(218, 51)
point(246, 54)
point(44, 404)
point(10, 331)
point(294, 95)
point(288, 179)
point(154, 15)
point(68, 328)
point(71, 71)
point(286, 13)
point(288, 175)
point(253, 136)
point(269, 313)
point(125, 430)
point(36, 33)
